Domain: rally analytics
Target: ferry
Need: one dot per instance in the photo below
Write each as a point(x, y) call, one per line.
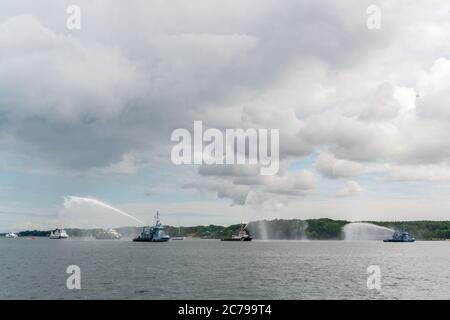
point(59, 234)
point(11, 235)
point(155, 233)
point(400, 236)
point(242, 236)
point(110, 234)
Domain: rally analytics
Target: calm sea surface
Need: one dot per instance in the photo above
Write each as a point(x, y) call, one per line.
point(211, 269)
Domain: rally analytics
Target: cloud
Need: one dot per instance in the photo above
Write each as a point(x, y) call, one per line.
point(409, 127)
point(104, 100)
point(70, 94)
point(433, 172)
point(58, 78)
point(382, 105)
point(64, 98)
point(5, 187)
point(434, 89)
point(128, 165)
point(333, 168)
point(295, 184)
point(237, 194)
point(237, 188)
point(17, 218)
point(351, 188)
point(228, 170)
point(223, 189)
point(124, 97)
point(68, 98)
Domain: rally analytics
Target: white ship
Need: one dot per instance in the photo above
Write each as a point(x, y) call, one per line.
point(11, 235)
point(110, 234)
point(59, 234)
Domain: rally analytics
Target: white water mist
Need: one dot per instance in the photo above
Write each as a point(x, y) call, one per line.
point(71, 201)
point(366, 231)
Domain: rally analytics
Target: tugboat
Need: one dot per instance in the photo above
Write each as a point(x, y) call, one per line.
point(58, 234)
point(110, 234)
point(400, 236)
point(153, 234)
point(242, 236)
point(11, 235)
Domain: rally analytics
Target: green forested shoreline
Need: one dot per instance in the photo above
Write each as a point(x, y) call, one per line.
point(289, 229)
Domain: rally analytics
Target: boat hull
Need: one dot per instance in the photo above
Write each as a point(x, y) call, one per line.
point(233, 239)
point(150, 240)
point(393, 240)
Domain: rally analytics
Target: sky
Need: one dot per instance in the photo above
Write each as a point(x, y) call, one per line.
point(363, 113)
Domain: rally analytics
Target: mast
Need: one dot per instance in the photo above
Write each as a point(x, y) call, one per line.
point(157, 218)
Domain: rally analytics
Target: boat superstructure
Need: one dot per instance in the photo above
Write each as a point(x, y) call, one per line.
point(400, 236)
point(242, 236)
point(109, 234)
point(11, 235)
point(59, 234)
point(154, 233)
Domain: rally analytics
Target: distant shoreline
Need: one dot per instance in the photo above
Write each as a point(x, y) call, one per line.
point(277, 229)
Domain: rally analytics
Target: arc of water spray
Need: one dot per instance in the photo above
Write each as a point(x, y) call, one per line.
point(365, 231)
point(72, 199)
point(249, 201)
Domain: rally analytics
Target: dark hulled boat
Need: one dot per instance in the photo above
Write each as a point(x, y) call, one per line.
point(242, 236)
point(155, 233)
point(402, 236)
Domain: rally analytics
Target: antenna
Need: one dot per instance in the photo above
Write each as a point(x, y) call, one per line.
point(157, 217)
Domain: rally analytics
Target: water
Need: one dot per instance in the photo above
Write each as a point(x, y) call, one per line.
point(211, 269)
point(366, 231)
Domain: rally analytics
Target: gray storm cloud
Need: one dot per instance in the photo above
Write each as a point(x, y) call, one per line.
point(106, 98)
